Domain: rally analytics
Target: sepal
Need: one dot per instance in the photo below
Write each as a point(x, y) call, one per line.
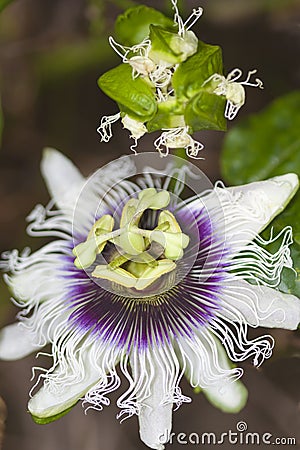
point(190, 75)
point(46, 420)
point(132, 27)
point(205, 111)
point(135, 96)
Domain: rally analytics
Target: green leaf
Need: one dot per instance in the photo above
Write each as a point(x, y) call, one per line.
point(205, 111)
point(134, 95)
point(263, 146)
point(132, 27)
point(45, 420)
point(290, 282)
point(4, 4)
point(189, 77)
point(290, 279)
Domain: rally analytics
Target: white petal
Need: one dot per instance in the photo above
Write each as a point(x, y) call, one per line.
point(248, 209)
point(63, 179)
point(155, 418)
point(20, 339)
point(262, 306)
point(51, 400)
point(239, 213)
point(16, 342)
point(35, 284)
point(201, 356)
point(230, 396)
point(207, 367)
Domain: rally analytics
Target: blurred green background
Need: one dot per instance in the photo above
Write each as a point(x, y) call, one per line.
point(51, 54)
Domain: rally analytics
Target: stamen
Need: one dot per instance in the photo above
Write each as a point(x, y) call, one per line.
point(144, 274)
point(138, 265)
point(87, 251)
point(173, 240)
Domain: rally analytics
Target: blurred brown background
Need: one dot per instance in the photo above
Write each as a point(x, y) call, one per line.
point(51, 54)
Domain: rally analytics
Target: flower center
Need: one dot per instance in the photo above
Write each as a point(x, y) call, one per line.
point(141, 255)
